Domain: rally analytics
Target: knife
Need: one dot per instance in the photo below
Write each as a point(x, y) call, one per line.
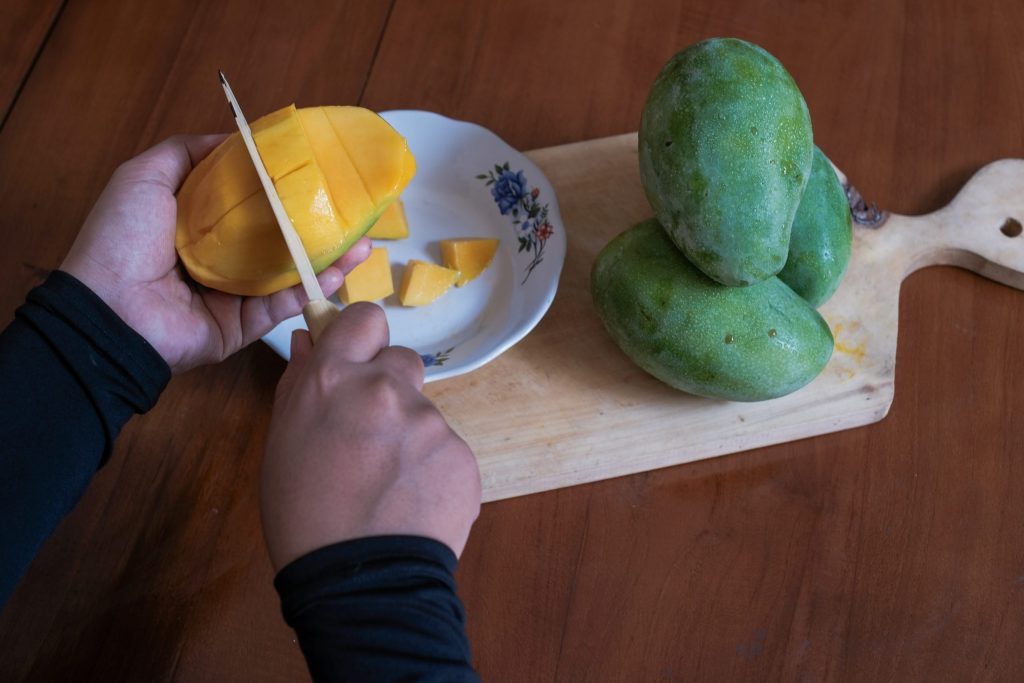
point(319, 312)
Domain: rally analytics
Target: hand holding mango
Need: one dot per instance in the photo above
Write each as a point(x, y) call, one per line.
point(125, 254)
point(717, 296)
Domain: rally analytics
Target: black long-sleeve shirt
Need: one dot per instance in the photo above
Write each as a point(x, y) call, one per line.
point(71, 375)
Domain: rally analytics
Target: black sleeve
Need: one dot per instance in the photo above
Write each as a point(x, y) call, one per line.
point(378, 609)
point(71, 374)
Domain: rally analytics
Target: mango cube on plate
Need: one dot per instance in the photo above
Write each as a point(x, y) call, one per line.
point(468, 256)
point(370, 280)
point(392, 224)
point(423, 282)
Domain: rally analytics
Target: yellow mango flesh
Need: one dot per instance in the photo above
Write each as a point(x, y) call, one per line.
point(219, 183)
point(243, 232)
point(423, 283)
point(392, 224)
point(307, 200)
point(380, 156)
point(370, 280)
point(227, 236)
point(346, 185)
point(468, 256)
point(282, 142)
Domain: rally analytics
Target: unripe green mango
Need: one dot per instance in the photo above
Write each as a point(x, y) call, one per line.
point(737, 343)
point(725, 152)
point(822, 236)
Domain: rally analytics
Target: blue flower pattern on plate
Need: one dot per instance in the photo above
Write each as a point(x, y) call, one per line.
point(508, 190)
point(513, 195)
point(432, 359)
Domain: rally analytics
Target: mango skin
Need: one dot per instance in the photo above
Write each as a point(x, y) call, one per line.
point(725, 151)
point(822, 236)
point(735, 343)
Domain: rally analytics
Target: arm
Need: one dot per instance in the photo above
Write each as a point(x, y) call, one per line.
point(97, 342)
point(368, 497)
point(382, 608)
point(73, 374)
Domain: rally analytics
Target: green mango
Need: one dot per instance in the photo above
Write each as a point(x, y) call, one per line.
point(822, 236)
point(736, 343)
point(725, 152)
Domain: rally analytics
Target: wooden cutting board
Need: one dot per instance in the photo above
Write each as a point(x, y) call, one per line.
point(566, 406)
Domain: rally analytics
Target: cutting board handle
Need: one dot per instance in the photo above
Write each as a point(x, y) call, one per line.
point(980, 230)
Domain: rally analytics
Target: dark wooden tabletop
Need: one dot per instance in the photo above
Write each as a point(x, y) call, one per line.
point(890, 552)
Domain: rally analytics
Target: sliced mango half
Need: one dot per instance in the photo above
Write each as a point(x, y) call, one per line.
point(336, 170)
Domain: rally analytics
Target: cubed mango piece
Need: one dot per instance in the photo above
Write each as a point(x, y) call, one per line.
point(423, 282)
point(392, 224)
point(468, 256)
point(370, 280)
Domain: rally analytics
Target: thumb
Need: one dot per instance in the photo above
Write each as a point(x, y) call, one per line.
point(302, 344)
point(301, 350)
point(169, 162)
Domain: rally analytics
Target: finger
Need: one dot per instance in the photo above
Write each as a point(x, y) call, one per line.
point(403, 363)
point(330, 279)
point(200, 146)
point(355, 255)
point(301, 346)
point(358, 334)
point(170, 161)
point(260, 314)
point(289, 302)
point(332, 276)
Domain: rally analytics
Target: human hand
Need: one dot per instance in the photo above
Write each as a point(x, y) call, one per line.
point(125, 254)
point(355, 449)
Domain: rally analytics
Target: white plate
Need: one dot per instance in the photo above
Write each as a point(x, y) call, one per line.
point(465, 176)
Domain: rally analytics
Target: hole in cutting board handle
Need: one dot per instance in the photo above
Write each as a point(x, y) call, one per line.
point(1011, 227)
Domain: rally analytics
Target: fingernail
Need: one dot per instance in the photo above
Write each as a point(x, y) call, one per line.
point(332, 278)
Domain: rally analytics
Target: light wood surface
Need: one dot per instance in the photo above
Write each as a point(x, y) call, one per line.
point(890, 552)
point(587, 413)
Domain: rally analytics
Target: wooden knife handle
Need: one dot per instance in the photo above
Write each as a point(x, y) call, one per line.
point(318, 314)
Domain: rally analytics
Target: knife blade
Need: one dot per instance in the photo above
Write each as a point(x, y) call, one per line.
point(319, 312)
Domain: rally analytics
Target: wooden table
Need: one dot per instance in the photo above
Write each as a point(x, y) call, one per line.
point(890, 552)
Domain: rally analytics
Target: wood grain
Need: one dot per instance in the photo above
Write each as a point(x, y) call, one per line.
point(890, 552)
point(24, 25)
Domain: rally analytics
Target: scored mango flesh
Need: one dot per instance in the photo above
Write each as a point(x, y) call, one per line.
point(336, 169)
